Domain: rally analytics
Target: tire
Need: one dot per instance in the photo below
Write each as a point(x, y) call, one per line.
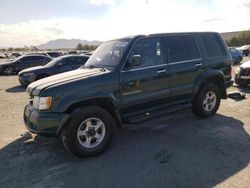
point(81, 138)
point(8, 71)
point(207, 101)
point(39, 77)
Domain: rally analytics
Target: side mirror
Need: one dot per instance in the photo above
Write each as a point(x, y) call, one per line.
point(59, 64)
point(135, 61)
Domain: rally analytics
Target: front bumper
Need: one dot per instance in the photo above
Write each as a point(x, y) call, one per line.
point(244, 77)
point(44, 123)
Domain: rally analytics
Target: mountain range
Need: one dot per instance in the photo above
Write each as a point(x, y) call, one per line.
point(66, 43)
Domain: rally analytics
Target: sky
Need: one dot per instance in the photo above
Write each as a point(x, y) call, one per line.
point(32, 22)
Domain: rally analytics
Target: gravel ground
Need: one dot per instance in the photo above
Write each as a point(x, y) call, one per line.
point(179, 150)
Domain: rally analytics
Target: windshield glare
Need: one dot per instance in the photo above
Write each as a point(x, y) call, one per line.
point(108, 54)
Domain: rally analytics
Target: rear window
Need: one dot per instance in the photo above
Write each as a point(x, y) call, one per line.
point(32, 58)
point(182, 48)
point(192, 47)
point(177, 50)
point(213, 45)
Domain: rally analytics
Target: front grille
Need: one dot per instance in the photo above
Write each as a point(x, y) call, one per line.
point(245, 72)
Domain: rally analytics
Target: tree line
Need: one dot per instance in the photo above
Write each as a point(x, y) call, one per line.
point(242, 39)
point(85, 47)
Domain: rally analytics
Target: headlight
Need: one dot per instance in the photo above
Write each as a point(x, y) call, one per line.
point(237, 70)
point(42, 103)
point(28, 74)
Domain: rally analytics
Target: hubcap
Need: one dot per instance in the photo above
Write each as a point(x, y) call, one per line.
point(91, 132)
point(209, 101)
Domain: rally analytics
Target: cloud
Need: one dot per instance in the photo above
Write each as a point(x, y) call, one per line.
point(54, 30)
point(103, 2)
point(122, 18)
point(247, 6)
point(214, 20)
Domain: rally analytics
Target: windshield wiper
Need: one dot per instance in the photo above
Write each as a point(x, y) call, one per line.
point(96, 66)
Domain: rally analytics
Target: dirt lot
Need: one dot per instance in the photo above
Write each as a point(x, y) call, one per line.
point(179, 150)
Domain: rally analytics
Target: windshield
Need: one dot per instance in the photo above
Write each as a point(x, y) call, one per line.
point(108, 54)
point(53, 62)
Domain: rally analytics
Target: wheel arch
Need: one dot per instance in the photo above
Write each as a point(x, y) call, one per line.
point(215, 77)
point(103, 102)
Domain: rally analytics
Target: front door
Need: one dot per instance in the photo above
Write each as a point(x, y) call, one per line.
point(146, 81)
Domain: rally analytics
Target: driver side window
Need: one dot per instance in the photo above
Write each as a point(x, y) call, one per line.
point(146, 52)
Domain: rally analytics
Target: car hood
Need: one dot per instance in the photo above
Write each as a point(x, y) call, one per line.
point(245, 65)
point(36, 87)
point(31, 69)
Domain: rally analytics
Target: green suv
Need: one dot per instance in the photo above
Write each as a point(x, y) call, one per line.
point(128, 81)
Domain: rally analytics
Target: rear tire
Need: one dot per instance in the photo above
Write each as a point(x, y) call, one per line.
point(207, 101)
point(89, 131)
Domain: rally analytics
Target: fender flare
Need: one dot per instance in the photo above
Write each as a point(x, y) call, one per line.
point(204, 77)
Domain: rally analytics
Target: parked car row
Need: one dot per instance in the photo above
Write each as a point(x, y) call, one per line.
point(56, 66)
point(23, 62)
point(52, 54)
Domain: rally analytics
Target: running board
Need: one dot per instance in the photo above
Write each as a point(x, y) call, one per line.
point(141, 117)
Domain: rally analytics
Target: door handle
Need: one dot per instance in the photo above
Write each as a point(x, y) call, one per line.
point(198, 65)
point(161, 71)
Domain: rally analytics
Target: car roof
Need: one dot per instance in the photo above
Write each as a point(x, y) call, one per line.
point(164, 34)
point(34, 55)
point(74, 55)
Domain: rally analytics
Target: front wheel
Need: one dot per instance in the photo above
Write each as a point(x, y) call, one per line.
point(8, 71)
point(207, 101)
point(89, 131)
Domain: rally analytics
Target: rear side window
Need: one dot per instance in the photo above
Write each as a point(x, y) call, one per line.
point(28, 58)
point(37, 58)
point(192, 47)
point(182, 48)
point(212, 45)
point(79, 60)
point(33, 58)
point(176, 49)
point(74, 61)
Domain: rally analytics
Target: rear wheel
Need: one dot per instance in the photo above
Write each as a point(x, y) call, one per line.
point(207, 101)
point(89, 131)
point(8, 71)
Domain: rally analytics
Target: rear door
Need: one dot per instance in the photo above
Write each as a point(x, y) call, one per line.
point(142, 86)
point(185, 64)
point(39, 60)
